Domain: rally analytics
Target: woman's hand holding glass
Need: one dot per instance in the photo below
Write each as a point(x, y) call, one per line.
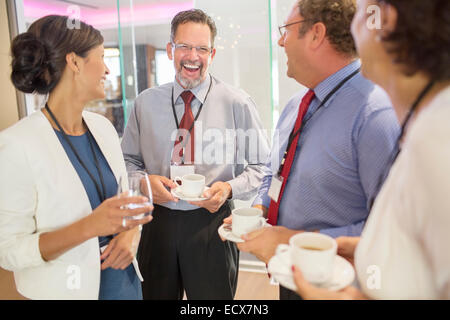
point(107, 218)
point(121, 251)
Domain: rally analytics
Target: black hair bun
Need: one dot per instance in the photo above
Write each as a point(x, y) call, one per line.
point(30, 65)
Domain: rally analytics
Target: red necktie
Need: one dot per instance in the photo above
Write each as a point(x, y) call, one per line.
point(184, 137)
point(303, 108)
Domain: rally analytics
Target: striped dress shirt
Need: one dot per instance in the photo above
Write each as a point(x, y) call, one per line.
point(343, 149)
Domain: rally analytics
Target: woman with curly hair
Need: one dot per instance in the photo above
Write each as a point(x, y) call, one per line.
point(403, 251)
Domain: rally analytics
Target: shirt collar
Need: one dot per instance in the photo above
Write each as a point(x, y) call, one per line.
point(327, 85)
point(199, 91)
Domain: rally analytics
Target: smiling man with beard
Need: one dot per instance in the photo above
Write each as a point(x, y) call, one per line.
point(171, 131)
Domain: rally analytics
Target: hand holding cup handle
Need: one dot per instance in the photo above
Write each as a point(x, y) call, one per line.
point(262, 222)
point(176, 179)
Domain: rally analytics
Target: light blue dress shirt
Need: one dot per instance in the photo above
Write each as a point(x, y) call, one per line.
point(342, 151)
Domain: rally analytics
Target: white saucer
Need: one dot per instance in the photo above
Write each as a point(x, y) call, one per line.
point(176, 192)
point(280, 268)
point(226, 233)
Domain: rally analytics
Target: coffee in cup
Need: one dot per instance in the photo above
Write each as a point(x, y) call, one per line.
point(313, 253)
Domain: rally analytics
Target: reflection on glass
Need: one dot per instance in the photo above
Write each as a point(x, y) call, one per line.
point(243, 49)
point(165, 72)
point(287, 87)
point(136, 33)
point(111, 107)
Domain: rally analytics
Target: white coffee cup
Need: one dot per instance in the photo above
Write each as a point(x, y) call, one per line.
point(245, 220)
point(313, 253)
point(192, 185)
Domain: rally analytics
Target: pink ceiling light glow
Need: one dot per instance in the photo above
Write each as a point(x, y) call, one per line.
point(107, 18)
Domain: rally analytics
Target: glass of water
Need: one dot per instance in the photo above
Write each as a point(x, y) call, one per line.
point(138, 185)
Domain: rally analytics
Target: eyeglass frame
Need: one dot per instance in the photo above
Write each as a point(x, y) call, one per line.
point(289, 24)
point(189, 48)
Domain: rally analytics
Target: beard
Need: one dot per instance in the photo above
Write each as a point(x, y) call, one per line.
point(186, 82)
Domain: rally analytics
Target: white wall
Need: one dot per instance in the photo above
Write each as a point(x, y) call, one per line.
point(287, 86)
point(9, 113)
point(243, 51)
point(245, 26)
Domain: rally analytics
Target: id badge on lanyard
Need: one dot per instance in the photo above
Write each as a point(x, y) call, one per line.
point(275, 187)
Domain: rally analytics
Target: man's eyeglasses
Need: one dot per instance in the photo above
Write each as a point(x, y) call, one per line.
point(282, 29)
point(185, 48)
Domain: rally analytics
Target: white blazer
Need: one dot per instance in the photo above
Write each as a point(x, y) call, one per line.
point(40, 191)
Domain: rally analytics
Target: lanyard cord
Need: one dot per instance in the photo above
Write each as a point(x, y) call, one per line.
point(293, 134)
point(183, 145)
point(100, 192)
point(397, 149)
point(199, 110)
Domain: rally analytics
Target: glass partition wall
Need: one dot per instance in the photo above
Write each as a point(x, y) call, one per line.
point(136, 33)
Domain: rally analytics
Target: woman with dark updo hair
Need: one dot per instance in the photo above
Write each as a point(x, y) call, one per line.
point(59, 169)
point(403, 250)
